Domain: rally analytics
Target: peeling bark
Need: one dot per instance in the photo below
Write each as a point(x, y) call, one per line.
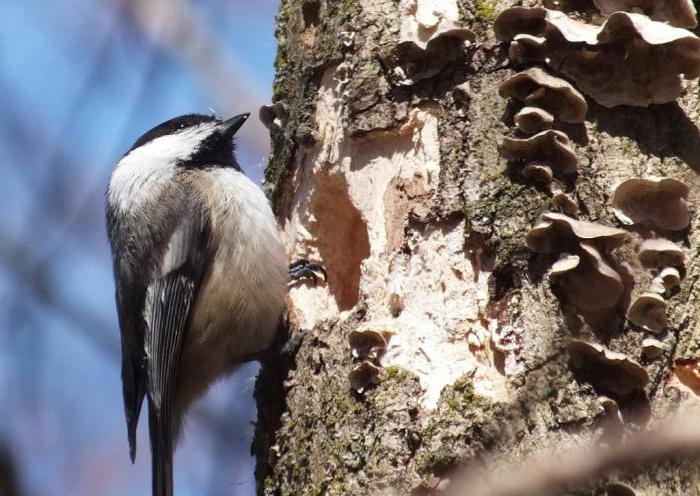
point(400, 191)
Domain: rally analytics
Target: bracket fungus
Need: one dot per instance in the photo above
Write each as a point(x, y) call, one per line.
point(680, 13)
point(535, 87)
point(648, 311)
point(629, 60)
point(273, 116)
point(532, 120)
point(538, 173)
point(559, 233)
point(566, 263)
point(364, 375)
point(582, 275)
point(369, 343)
point(660, 253)
point(586, 280)
point(656, 202)
point(619, 490)
point(425, 22)
point(611, 412)
point(670, 277)
point(667, 280)
point(652, 348)
point(518, 20)
point(550, 148)
point(527, 49)
point(611, 371)
point(564, 203)
point(429, 38)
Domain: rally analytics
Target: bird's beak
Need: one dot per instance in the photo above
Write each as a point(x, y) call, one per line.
point(232, 125)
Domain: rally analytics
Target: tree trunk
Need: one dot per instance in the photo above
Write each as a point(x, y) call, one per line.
point(399, 189)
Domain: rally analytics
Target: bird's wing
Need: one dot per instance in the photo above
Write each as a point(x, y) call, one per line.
point(169, 299)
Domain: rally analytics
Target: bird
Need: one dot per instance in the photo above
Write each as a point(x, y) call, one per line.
point(200, 273)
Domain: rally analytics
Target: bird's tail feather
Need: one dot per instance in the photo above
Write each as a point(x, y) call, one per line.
point(161, 452)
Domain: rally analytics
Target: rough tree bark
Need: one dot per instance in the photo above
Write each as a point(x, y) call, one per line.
point(400, 191)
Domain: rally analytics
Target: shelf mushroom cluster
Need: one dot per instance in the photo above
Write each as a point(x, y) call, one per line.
point(584, 275)
point(546, 153)
point(679, 13)
point(611, 371)
point(638, 56)
point(367, 346)
point(660, 204)
point(630, 60)
point(429, 38)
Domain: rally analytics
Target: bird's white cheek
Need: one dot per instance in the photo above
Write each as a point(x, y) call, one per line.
point(140, 175)
point(135, 182)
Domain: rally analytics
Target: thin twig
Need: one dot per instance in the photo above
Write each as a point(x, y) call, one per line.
point(555, 475)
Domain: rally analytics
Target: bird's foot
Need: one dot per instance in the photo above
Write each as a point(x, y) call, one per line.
point(303, 270)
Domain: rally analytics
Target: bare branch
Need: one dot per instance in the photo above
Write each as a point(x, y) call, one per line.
point(555, 475)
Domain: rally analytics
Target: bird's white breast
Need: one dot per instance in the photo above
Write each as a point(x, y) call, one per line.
point(240, 299)
point(243, 292)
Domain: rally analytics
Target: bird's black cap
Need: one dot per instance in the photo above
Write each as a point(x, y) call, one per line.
point(215, 150)
point(172, 126)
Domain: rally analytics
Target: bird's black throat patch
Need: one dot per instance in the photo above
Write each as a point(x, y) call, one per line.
point(216, 150)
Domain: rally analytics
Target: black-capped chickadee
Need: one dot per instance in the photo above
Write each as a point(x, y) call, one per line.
point(200, 272)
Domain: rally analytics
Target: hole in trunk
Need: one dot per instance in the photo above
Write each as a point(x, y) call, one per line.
point(342, 237)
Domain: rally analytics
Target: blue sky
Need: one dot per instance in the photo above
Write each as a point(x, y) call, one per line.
point(79, 82)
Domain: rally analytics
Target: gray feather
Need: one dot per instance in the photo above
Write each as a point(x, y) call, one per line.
point(169, 300)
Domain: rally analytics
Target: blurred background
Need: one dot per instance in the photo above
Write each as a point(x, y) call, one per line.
point(80, 80)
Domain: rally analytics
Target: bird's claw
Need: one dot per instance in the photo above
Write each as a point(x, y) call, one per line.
point(302, 269)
